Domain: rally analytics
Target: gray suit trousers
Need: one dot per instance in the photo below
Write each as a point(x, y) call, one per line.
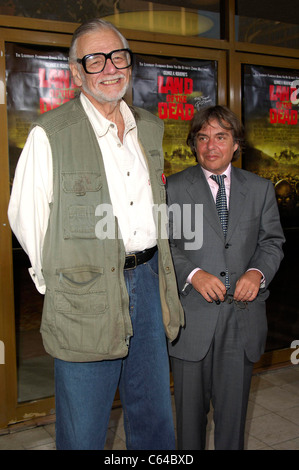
point(222, 377)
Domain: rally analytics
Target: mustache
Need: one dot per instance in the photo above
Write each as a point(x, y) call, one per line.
point(110, 78)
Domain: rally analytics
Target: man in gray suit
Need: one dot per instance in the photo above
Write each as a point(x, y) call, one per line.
point(222, 281)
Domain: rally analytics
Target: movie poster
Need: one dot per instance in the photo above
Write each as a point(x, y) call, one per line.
point(37, 80)
point(271, 105)
point(270, 110)
point(174, 89)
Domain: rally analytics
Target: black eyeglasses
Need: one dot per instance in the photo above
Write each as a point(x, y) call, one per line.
point(95, 63)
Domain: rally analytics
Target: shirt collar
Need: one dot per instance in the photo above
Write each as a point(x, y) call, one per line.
point(227, 173)
point(100, 123)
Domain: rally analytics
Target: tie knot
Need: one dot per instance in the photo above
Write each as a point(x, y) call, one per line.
point(218, 178)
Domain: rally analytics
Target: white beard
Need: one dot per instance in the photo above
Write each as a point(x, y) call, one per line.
point(100, 96)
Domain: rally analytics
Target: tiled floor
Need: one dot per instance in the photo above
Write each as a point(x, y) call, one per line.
point(272, 421)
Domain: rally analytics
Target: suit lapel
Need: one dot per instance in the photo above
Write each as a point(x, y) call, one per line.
point(238, 193)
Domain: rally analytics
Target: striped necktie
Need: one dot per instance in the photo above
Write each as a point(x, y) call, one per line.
point(221, 206)
point(221, 203)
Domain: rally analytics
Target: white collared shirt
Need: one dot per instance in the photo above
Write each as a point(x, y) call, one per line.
point(128, 178)
point(128, 181)
point(214, 186)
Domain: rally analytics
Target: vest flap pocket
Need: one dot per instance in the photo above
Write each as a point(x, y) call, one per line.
point(81, 182)
point(82, 322)
point(81, 307)
point(82, 277)
point(92, 303)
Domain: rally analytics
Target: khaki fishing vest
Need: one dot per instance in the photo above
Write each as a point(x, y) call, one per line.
point(86, 306)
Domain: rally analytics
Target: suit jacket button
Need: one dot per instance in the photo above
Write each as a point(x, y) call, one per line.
point(222, 273)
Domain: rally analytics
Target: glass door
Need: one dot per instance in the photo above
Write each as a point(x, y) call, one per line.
point(270, 115)
point(42, 75)
point(27, 88)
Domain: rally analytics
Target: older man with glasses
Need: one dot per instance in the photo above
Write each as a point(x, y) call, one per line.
point(82, 208)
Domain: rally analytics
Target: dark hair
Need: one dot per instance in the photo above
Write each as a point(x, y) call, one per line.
point(226, 119)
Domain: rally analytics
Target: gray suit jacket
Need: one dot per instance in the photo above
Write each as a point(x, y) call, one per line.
point(254, 240)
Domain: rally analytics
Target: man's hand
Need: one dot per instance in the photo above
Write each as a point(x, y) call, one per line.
point(209, 286)
point(247, 286)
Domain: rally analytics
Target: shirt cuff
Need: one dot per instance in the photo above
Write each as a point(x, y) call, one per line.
point(189, 278)
point(39, 283)
point(263, 280)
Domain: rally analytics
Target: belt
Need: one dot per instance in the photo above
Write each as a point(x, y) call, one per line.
point(134, 259)
point(229, 298)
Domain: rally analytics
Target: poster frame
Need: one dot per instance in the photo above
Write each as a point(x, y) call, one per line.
point(279, 357)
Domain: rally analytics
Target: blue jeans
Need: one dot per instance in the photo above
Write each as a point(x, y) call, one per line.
point(85, 391)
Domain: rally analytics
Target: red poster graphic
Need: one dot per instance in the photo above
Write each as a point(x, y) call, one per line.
point(271, 119)
point(174, 89)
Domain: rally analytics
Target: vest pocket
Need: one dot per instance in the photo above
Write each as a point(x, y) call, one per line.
point(81, 182)
point(78, 330)
point(81, 311)
point(79, 189)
